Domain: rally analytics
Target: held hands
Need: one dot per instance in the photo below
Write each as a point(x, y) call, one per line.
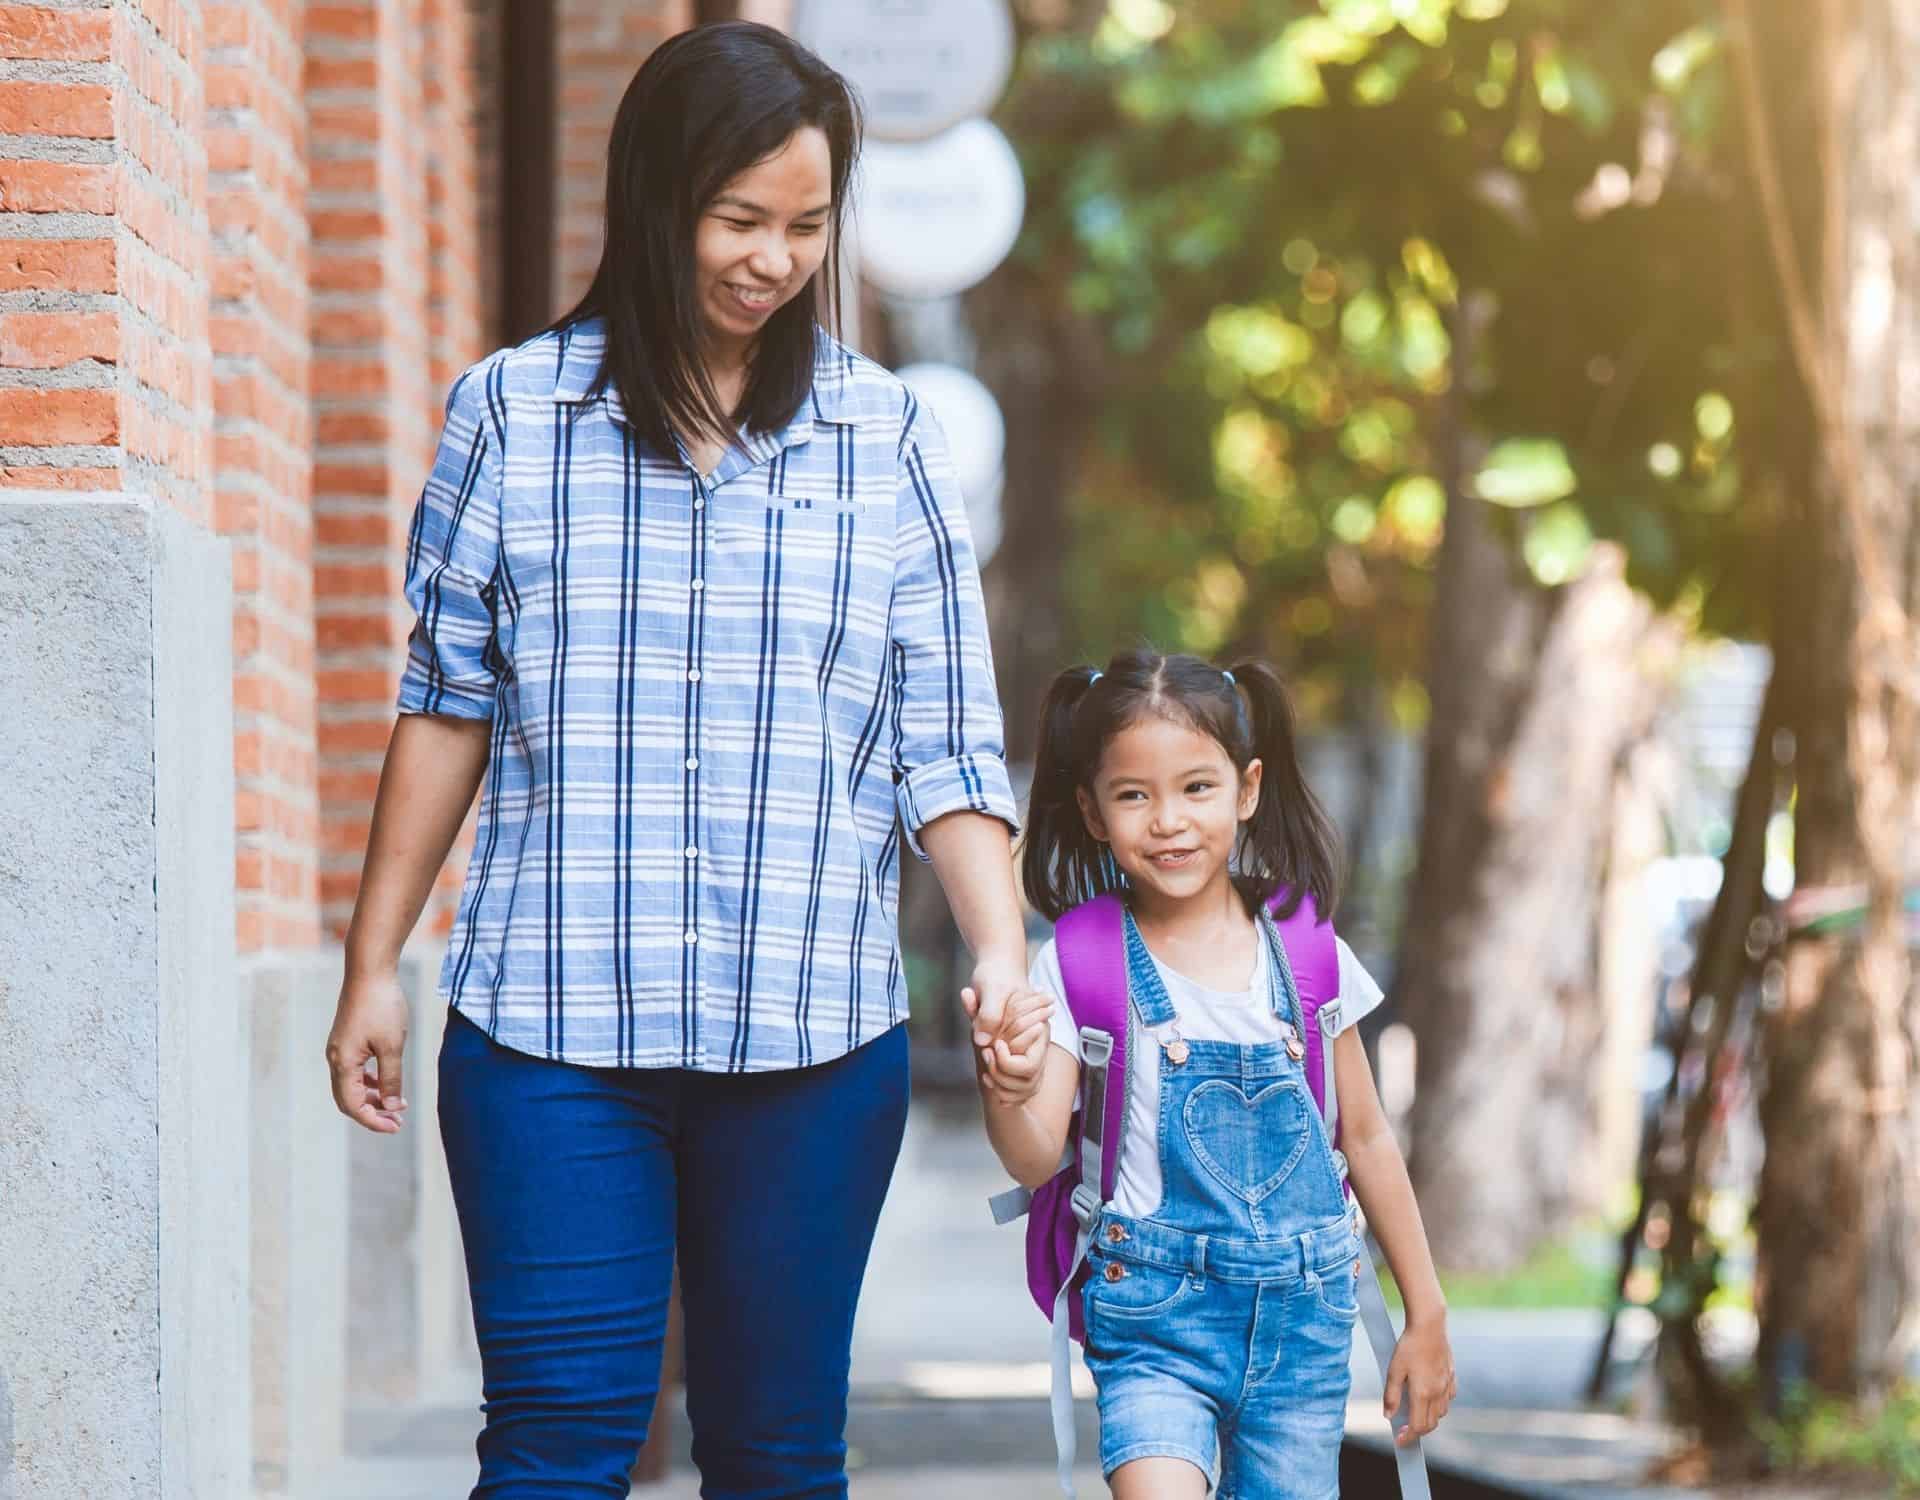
point(1010, 1052)
point(1422, 1370)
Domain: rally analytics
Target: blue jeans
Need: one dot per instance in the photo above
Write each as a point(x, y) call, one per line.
point(575, 1186)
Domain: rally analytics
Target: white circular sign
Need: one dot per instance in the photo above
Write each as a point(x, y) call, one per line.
point(937, 218)
point(919, 65)
point(968, 415)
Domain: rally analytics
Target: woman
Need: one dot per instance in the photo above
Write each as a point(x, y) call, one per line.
point(699, 617)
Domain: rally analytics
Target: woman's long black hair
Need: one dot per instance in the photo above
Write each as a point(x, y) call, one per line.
point(1288, 841)
point(705, 106)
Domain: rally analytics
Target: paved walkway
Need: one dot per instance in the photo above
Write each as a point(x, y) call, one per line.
point(950, 1375)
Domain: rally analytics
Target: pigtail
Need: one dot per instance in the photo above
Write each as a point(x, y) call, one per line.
point(1289, 840)
point(1061, 863)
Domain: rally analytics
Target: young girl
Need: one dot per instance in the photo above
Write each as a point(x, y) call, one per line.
point(1221, 1304)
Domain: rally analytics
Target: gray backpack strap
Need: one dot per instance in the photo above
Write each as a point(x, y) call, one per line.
point(1011, 1204)
point(1096, 1053)
point(1411, 1460)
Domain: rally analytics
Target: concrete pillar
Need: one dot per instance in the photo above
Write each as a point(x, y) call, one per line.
point(408, 1319)
point(124, 1123)
point(300, 1212)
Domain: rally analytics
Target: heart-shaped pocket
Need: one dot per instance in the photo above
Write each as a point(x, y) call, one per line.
point(1249, 1145)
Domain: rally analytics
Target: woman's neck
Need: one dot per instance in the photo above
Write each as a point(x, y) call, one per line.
point(727, 366)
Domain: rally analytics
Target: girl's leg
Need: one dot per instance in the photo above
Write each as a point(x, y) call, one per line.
point(781, 1180)
point(564, 1183)
point(1284, 1441)
point(1158, 1479)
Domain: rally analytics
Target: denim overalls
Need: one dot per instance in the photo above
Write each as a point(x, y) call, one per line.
point(1219, 1328)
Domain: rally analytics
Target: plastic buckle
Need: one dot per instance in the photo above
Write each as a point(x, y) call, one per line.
point(1329, 1018)
point(1340, 1164)
point(1086, 1204)
point(1096, 1047)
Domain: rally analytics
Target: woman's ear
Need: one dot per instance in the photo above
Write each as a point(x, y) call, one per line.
point(1090, 814)
point(1250, 789)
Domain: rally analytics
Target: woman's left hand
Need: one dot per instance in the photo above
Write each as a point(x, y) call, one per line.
point(994, 983)
point(1422, 1368)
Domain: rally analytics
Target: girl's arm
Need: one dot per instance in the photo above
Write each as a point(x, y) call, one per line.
point(1029, 1133)
point(1422, 1362)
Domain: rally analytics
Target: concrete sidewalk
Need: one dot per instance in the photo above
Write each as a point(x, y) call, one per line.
point(950, 1374)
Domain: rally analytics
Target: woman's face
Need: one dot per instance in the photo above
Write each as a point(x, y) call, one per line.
point(761, 238)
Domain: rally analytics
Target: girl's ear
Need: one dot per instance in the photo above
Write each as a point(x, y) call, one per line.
point(1250, 789)
point(1090, 814)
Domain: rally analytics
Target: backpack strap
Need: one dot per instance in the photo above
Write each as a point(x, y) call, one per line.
point(1090, 943)
point(1314, 954)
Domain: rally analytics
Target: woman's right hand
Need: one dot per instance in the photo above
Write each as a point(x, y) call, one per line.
point(364, 1051)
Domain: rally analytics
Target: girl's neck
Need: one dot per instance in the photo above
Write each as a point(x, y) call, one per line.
point(1210, 913)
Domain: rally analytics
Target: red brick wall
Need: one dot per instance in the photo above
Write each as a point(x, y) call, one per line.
point(104, 374)
point(262, 445)
point(601, 46)
point(259, 240)
point(373, 394)
point(457, 326)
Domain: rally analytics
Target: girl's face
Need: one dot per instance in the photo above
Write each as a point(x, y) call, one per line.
point(761, 239)
point(1170, 804)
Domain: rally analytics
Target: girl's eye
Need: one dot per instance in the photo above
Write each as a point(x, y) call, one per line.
point(740, 224)
point(1199, 786)
point(808, 228)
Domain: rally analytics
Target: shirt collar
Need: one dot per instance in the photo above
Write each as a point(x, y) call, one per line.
point(832, 400)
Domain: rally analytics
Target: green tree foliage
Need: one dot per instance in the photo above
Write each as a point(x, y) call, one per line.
point(1277, 213)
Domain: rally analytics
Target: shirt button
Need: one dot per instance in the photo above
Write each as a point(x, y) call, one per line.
point(692, 937)
point(694, 675)
point(699, 584)
point(692, 852)
point(693, 762)
point(698, 503)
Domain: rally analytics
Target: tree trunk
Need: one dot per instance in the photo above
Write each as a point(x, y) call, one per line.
point(1536, 696)
point(1838, 1222)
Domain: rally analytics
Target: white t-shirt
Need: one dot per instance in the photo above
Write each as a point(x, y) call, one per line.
point(1244, 1017)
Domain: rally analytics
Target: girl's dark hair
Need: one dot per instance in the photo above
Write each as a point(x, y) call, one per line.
point(705, 106)
point(1288, 841)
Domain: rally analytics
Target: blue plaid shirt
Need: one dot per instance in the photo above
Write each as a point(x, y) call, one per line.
point(710, 698)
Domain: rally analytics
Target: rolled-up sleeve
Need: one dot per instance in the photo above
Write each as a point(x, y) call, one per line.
point(453, 558)
point(949, 744)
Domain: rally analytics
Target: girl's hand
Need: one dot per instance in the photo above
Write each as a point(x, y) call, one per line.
point(1011, 1067)
point(1422, 1369)
point(369, 1032)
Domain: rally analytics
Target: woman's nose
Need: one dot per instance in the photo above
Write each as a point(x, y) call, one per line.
point(772, 261)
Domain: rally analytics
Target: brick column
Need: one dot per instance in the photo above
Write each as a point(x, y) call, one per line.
point(373, 395)
point(256, 131)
